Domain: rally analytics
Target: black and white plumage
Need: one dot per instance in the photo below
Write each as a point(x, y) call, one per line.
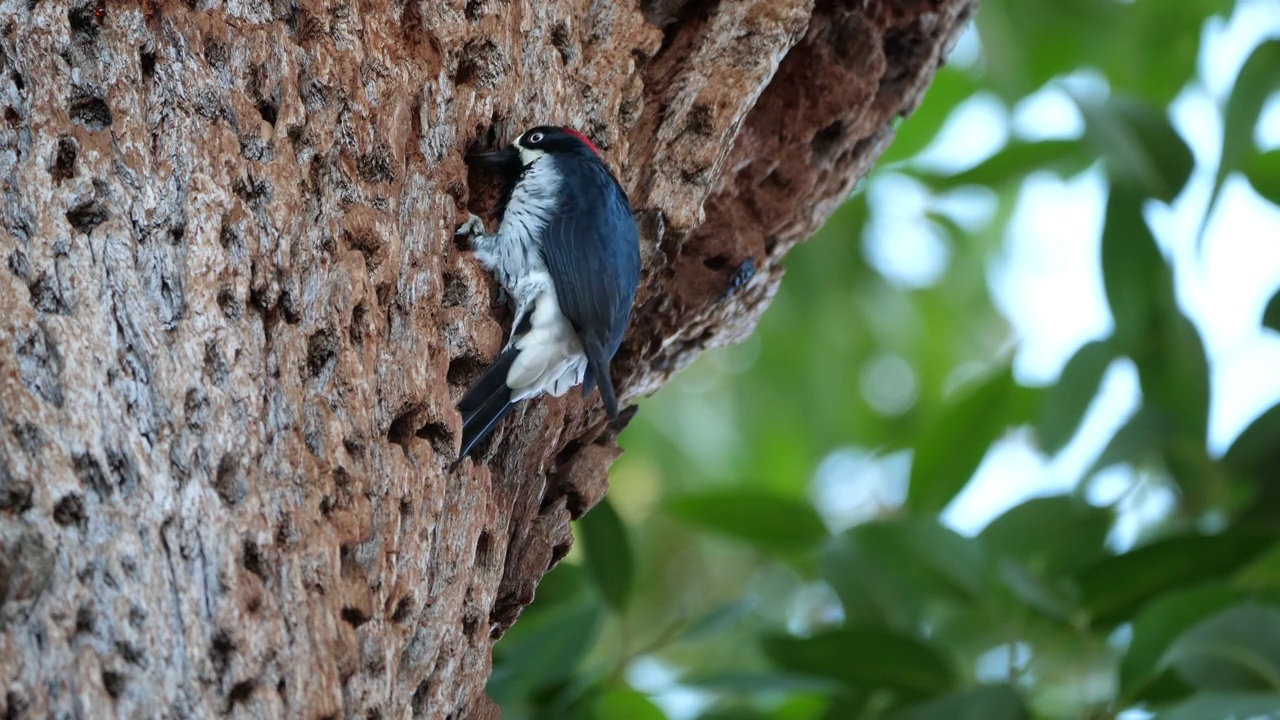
point(567, 252)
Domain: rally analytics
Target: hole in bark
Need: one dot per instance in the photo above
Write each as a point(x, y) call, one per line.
point(354, 616)
point(86, 19)
point(369, 245)
point(437, 434)
point(29, 436)
point(479, 64)
point(131, 653)
point(404, 426)
point(376, 167)
point(469, 626)
point(563, 42)
point(241, 691)
point(558, 552)
point(455, 290)
point(701, 120)
point(229, 235)
point(356, 331)
point(474, 10)
point(19, 264)
point(15, 495)
point(89, 471)
point(406, 508)
point(231, 307)
point(64, 159)
point(717, 262)
point(41, 365)
point(354, 447)
point(84, 620)
point(87, 215)
point(70, 511)
point(227, 481)
point(421, 698)
point(484, 546)
point(826, 139)
point(404, 608)
point(220, 651)
point(250, 189)
point(113, 682)
point(90, 110)
point(463, 369)
point(45, 297)
point(147, 61)
point(216, 54)
point(322, 348)
point(269, 111)
point(251, 558)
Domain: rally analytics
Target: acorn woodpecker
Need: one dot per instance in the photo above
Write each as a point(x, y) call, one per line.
point(567, 252)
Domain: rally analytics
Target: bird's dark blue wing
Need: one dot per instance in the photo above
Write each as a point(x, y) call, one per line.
point(592, 250)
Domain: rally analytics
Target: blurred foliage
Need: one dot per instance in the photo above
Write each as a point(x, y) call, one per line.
point(720, 580)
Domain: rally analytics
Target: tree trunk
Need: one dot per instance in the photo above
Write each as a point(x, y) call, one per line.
point(234, 317)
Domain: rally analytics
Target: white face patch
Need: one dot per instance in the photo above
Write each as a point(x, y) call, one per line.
point(528, 156)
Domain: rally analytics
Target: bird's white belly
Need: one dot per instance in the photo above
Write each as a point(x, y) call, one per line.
point(551, 358)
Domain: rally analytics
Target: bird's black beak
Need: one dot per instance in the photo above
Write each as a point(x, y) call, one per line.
point(506, 159)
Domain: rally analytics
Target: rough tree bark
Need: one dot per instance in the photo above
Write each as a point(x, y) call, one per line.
point(233, 318)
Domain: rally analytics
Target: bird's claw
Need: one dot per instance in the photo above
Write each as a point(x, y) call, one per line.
point(473, 226)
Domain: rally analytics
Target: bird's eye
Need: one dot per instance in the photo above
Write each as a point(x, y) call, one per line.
point(535, 138)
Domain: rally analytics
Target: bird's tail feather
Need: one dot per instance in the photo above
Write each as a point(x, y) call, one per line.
point(598, 370)
point(485, 403)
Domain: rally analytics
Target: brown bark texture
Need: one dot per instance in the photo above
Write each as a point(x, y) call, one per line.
point(233, 317)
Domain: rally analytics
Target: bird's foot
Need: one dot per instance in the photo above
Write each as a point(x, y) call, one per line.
point(474, 226)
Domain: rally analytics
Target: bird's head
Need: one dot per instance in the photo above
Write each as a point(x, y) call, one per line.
point(535, 144)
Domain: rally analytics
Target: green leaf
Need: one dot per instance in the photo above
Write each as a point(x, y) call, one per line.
point(770, 522)
point(762, 683)
point(955, 440)
point(986, 702)
point(1159, 625)
point(1135, 443)
point(1237, 649)
point(1142, 150)
point(1256, 452)
point(1134, 272)
point(1050, 535)
point(608, 552)
point(1015, 161)
point(625, 703)
point(1067, 401)
point(1258, 78)
point(888, 573)
point(950, 87)
point(1271, 315)
point(1026, 44)
point(1052, 596)
point(1234, 706)
point(1153, 46)
point(719, 619)
point(1263, 171)
point(866, 659)
point(1118, 586)
point(547, 649)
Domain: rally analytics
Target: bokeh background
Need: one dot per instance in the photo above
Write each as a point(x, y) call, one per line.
point(1005, 445)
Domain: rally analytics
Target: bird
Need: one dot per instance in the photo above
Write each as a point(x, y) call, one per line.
point(567, 254)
